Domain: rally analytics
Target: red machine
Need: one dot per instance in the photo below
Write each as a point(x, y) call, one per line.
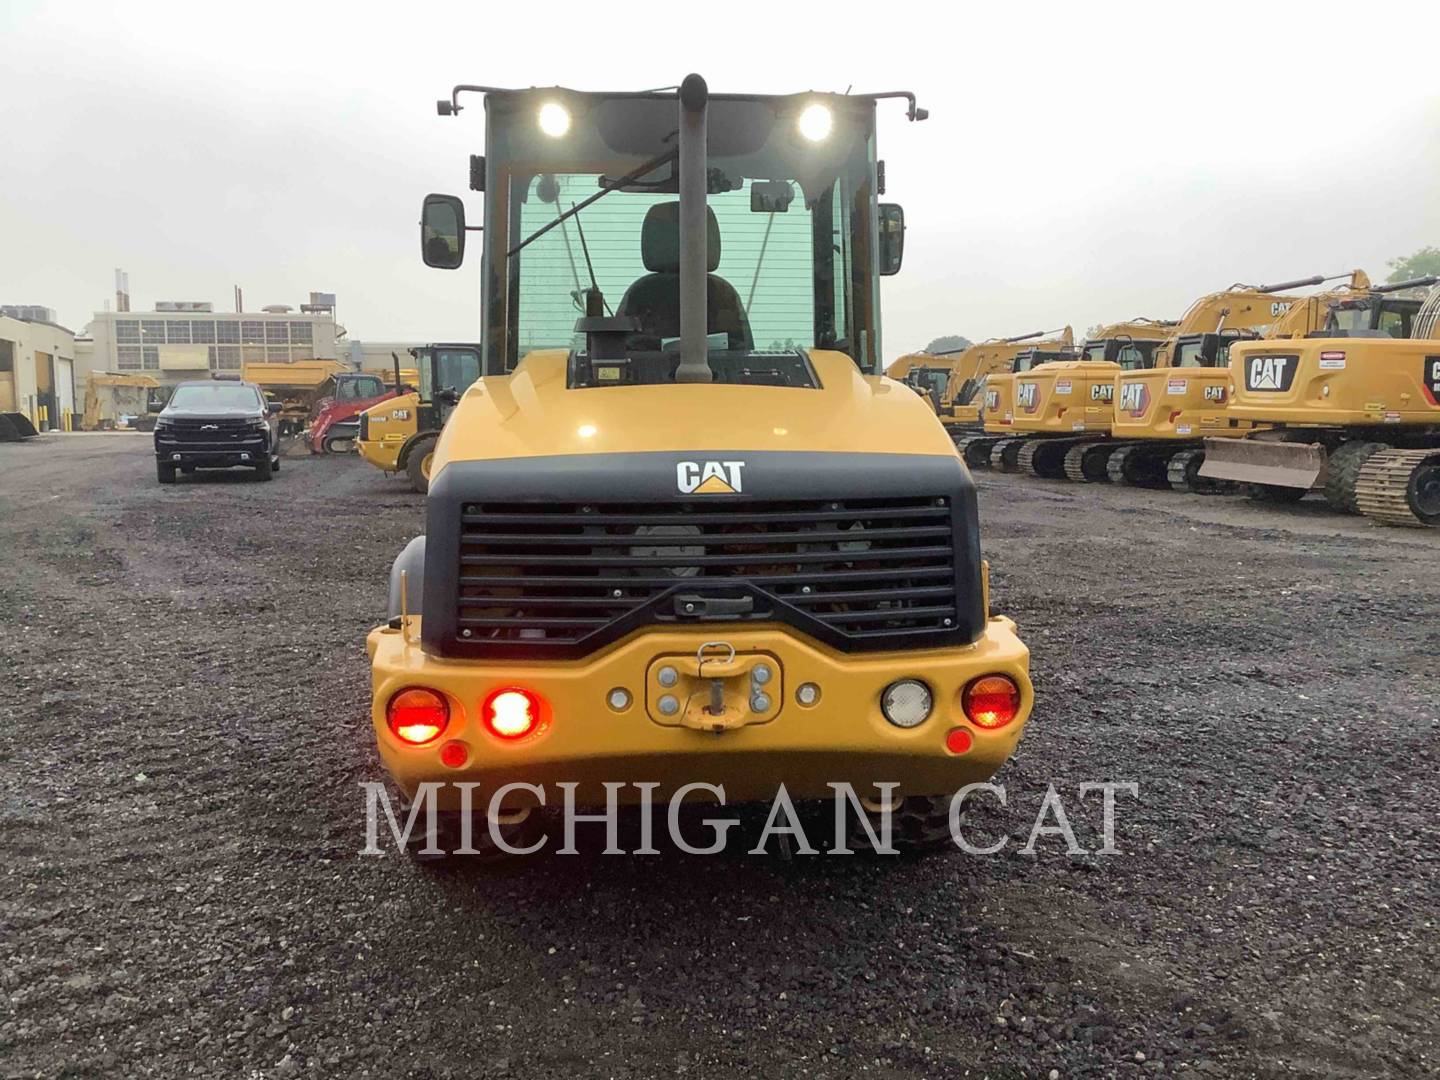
point(337, 417)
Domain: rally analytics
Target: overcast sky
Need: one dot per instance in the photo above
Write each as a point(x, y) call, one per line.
point(1082, 163)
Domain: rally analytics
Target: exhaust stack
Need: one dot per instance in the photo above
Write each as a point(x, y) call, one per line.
point(694, 234)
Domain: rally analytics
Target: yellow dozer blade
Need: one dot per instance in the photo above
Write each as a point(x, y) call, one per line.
point(1264, 461)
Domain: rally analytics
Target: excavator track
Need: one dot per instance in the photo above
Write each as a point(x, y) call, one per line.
point(1182, 472)
point(975, 449)
point(1004, 455)
point(1401, 487)
point(1046, 457)
point(1086, 463)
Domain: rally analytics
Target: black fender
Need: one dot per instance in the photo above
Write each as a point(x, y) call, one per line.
point(410, 562)
point(409, 444)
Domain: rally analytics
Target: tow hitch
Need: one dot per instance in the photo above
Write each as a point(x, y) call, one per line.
point(715, 690)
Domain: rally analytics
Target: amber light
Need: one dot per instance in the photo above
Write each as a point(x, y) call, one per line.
point(417, 715)
point(511, 713)
point(991, 701)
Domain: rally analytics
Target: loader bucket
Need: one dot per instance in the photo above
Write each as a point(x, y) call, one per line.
point(1261, 461)
point(15, 426)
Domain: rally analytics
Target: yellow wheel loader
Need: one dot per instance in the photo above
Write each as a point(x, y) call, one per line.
point(1043, 413)
point(1353, 408)
point(1160, 413)
point(399, 434)
point(683, 531)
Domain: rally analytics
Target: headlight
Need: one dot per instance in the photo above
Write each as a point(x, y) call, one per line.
point(815, 122)
point(260, 423)
point(161, 423)
point(906, 702)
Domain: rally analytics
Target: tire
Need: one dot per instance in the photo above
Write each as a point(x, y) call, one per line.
point(264, 471)
point(920, 825)
point(188, 470)
point(1342, 473)
point(417, 465)
point(275, 463)
point(164, 473)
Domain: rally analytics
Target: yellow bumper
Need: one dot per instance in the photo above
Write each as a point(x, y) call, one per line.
point(383, 453)
point(843, 737)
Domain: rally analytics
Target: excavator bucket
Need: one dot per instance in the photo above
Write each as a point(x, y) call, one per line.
point(15, 426)
point(1259, 461)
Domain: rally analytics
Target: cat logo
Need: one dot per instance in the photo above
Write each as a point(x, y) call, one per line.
point(1134, 398)
point(992, 400)
point(1270, 372)
point(708, 477)
point(1217, 394)
point(1432, 379)
point(1102, 392)
point(399, 414)
point(1279, 308)
point(1027, 396)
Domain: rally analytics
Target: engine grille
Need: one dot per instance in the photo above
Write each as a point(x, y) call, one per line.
point(869, 573)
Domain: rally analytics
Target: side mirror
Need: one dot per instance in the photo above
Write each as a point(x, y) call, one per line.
point(771, 196)
point(892, 238)
point(275, 407)
point(442, 231)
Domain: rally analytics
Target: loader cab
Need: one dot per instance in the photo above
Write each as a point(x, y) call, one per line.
point(582, 247)
point(446, 372)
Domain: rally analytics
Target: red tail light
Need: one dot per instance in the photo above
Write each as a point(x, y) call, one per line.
point(417, 715)
point(991, 701)
point(511, 713)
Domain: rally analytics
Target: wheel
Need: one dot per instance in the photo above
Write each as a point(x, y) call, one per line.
point(920, 825)
point(1342, 473)
point(263, 471)
point(188, 470)
point(1273, 493)
point(164, 472)
point(417, 465)
point(342, 444)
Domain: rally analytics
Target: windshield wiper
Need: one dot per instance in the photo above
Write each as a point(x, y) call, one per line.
point(606, 189)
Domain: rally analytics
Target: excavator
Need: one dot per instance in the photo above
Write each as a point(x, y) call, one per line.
point(993, 400)
point(683, 530)
point(1160, 412)
point(1352, 407)
point(1043, 412)
point(961, 403)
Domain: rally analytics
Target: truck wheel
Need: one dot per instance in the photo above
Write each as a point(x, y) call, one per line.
point(1342, 473)
point(164, 473)
point(417, 465)
point(919, 825)
point(264, 471)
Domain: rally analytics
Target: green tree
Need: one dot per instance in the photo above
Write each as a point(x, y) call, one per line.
point(1423, 263)
point(948, 343)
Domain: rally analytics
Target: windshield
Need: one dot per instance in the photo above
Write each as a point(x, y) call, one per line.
point(791, 229)
point(933, 379)
point(1136, 355)
point(450, 369)
point(1389, 317)
point(215, 396)
point(1095, 351)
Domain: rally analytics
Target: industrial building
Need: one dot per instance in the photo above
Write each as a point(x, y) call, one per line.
point(187, 340)
point(37, 366)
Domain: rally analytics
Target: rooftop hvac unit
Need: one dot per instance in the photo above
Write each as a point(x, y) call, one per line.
point(276, 309)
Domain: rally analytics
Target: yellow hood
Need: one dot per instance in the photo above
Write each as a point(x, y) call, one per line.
point(531, 413)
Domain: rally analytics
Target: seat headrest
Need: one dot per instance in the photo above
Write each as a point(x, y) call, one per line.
point(660, 239)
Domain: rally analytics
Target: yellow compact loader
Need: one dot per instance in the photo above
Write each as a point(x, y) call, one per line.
point(1160, 413)
point(399, 434)
point(1055, 406)
point(1353, 408)
point(683, 531)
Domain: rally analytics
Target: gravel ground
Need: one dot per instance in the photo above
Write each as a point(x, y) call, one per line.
point(180, 818)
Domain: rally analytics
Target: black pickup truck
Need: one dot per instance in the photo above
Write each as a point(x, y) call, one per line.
point(217, 425)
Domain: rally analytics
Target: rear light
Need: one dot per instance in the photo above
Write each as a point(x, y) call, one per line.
point(958, 741)
point(511, 713)
point(417, 715)
point(991, 701)
point(906, 703)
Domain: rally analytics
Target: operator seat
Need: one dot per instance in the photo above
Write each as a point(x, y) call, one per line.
point(655, 298)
